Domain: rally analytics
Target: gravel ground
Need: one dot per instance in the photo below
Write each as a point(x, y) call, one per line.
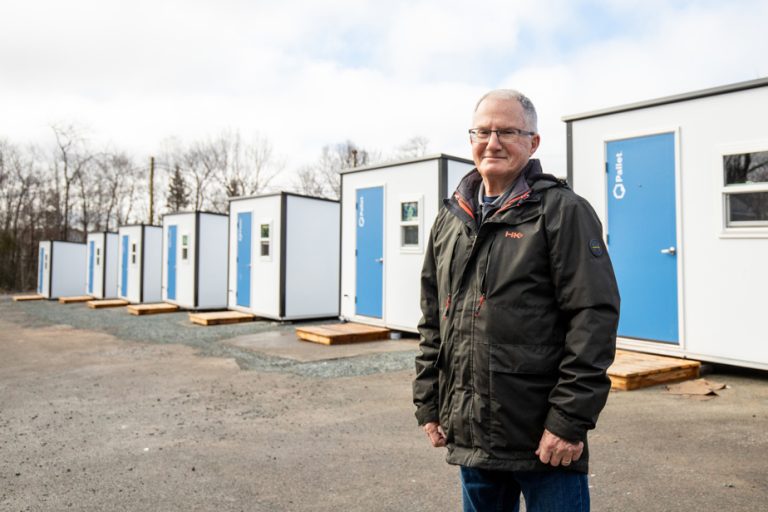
point(177, 329)
point(100, 410)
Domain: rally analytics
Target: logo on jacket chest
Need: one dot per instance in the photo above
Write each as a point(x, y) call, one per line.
point(513, 234)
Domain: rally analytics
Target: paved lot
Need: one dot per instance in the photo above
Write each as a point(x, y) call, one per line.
point(103, 411)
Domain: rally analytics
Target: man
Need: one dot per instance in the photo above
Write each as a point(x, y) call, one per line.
point(520, 308)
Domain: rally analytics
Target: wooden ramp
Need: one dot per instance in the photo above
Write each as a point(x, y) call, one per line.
point(336, 334)
point(220, 317)
point(152, 309)
point(107, 303)
point(76, 298)
point(25, 298)
point(633, 370)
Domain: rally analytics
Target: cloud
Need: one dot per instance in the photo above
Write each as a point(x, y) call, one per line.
point(306, 74)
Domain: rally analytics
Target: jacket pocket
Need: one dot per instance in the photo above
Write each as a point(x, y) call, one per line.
point(503, 322)
point(521, 379)
point(543, 359)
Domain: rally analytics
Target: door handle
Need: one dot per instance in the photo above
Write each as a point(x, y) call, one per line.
point(379, 260)
point(671, 250)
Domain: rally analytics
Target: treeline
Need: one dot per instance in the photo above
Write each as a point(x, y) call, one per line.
point(70, 188)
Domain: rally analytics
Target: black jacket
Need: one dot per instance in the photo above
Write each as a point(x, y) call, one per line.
point(519, 324)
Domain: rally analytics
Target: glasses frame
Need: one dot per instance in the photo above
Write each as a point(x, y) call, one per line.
point(515, 132)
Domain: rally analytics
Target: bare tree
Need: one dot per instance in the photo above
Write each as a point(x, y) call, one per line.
point(413, 148)
point(19, 183)
point(308, 181)
point(250, 167)
point(323, 177)
point(202, 163)
point(66, 189)
point(70, 159)
point(116, 176)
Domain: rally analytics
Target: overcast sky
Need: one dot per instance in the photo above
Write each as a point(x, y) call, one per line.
point(309, 73)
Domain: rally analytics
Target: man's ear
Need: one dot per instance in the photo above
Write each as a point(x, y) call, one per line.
point(535, 141)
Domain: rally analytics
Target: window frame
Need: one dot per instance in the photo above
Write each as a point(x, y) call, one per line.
point(417, 248)
point(739, 229)
point(184, 247)
point(267, 240)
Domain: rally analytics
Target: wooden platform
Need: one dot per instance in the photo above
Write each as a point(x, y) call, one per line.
point(152, 309)
point(633, 370)
point(335, 334)
point(25, 298)
point(76, 298)
point(107, 303)
point(220, 317)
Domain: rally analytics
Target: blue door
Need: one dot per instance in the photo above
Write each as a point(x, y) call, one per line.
point(244, 259)
point(171, 291)
point(642, 235)
point(40, 273)
point(369, 250)
point(124, 270)
point(90, 267)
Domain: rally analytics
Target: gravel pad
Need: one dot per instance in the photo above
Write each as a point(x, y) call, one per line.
point(176, 328)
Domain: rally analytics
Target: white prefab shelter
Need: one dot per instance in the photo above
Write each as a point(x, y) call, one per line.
point(284, 256)
point(61, 269)
point(681, 185)
point(195, 260)
point(386, 214)
point(101, 274)
point(140, 260)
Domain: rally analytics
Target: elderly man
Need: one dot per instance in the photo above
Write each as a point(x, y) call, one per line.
point(520, 308)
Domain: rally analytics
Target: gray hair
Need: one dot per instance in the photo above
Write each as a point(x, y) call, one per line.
point(529, 111)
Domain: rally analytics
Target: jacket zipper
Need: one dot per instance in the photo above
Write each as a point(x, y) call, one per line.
point(512, 203)
point(450, 279)
point(480, 304)
point(483, 280)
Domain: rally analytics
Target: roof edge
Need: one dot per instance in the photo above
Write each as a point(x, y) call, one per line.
point(394, 163)
point(665, 100)
point(281, 193)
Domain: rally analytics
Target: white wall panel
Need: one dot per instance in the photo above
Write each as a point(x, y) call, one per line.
point(212, 274)
point(723, 276)
point(68, 269)
point(312, 258)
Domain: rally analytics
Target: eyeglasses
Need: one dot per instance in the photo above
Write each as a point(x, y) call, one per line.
point(505, 136)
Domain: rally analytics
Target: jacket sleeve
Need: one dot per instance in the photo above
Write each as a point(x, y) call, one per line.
point(425, 386)
point(588, 298)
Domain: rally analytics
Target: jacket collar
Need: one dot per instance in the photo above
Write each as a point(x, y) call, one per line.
point(464, 205)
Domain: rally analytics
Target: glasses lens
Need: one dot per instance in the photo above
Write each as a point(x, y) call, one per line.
point(507, 136)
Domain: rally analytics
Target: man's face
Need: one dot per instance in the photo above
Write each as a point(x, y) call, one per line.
point(495, 160)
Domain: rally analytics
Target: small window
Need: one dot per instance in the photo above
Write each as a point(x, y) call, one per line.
point(98, 253)
point(184, 247)
point(264, 240)
point(410, 225)
point(133, 253)
point(745, 191)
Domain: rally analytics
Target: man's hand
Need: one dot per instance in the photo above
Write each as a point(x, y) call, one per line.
point(556, 450)
point(435, 433)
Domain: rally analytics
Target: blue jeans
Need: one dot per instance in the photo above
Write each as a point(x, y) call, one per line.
point(545, 491)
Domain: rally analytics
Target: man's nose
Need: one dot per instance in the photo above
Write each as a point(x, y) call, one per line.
point(493, 141)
